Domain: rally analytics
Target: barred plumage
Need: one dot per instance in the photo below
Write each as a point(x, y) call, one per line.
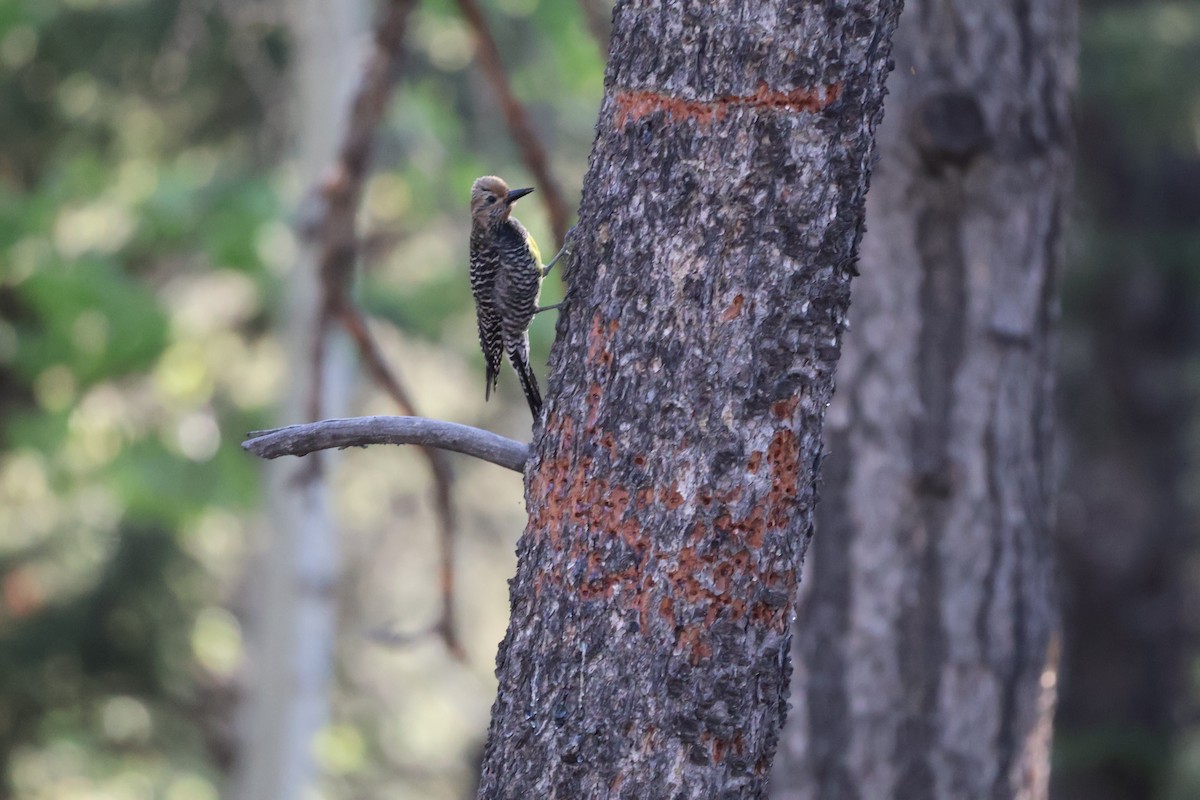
point(506, 279)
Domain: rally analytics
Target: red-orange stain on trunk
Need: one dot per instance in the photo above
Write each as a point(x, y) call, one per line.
point(734, 309)
point(670, 497)
point(633, 105)
point(714, 574)
point(784, 409)
point(783, 458)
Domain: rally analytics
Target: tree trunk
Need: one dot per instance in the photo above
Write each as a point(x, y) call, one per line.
point(926, 631)
point(670, 493)
point(292, 622)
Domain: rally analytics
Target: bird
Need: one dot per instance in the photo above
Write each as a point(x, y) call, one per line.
point(506, 279)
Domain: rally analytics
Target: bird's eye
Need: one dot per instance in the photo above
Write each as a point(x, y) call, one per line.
point(491, 199)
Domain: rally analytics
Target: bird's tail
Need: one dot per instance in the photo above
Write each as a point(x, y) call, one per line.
point(519, 356)
point(493, 376)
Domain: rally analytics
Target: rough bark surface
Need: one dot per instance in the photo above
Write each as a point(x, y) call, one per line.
point(670, 492)
point(926, 632)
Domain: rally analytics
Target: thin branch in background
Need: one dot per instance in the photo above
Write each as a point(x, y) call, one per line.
point(187, 32)
point(533, 152)
point(352, 320)
point(329, 434)
point(342, 189)
point(380, 242)
point(356, 326)
point(341, 192)
point(598, 16)
point(250, 23)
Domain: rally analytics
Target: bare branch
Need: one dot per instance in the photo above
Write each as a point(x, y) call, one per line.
point(533, 152)
point(356, 326)
point(300, 440)
point(342, 188)
point(341, 193)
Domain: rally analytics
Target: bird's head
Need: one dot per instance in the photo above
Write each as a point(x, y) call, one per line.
point(492, 200)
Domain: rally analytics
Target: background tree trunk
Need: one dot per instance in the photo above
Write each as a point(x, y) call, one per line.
point(293, 613)
point(926, 634)
point(670, 493)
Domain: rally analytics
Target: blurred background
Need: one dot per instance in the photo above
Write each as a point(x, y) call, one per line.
point(152, 172)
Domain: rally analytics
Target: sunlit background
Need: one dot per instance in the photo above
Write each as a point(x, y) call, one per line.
point(147, 195)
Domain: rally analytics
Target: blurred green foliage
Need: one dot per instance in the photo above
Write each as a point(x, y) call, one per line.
point(145, 193)
point(134, 193)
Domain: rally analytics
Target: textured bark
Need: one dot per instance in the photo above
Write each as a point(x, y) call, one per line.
point(670, 493)
point(926, 628)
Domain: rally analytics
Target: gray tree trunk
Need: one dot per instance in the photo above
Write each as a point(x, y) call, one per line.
point(926, 637)
point(670, 493)
point(291, 625)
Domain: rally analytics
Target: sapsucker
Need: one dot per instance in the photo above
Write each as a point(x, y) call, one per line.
point(506, 278)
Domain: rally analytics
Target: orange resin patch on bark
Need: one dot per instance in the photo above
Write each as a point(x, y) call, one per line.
point(722, 570)
point(783, 459)
point(634, 105)
point(599, 340)
point(734, 309)
point(670, 497)
point(694, 640)
point(784, 409)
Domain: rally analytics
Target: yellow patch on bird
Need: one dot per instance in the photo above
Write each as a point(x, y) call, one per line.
point(537, 254)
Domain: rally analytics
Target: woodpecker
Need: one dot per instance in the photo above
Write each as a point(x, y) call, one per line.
point(506, 279)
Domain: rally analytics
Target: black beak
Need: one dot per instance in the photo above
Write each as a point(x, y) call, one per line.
point(516, 194)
